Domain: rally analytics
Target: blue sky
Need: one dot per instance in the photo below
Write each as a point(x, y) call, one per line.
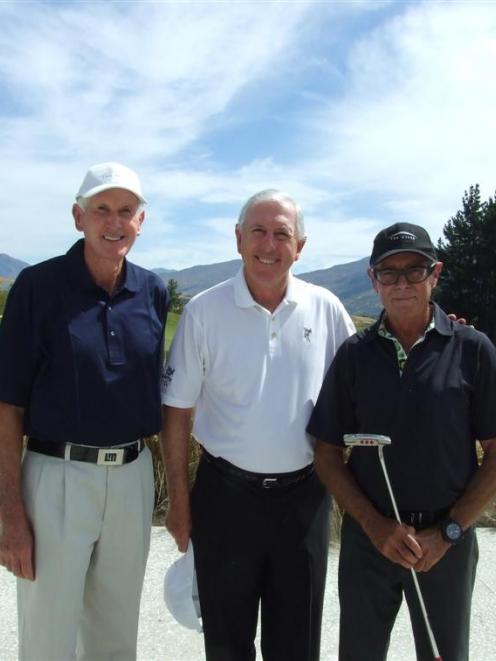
point(366, 112)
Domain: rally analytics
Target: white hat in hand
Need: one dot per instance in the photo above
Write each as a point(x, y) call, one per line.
point(181, 591)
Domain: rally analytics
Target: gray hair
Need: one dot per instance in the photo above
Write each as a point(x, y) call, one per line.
point(274, 195)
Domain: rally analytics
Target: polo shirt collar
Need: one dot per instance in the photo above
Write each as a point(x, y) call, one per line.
point(442, 324)
point(132, 278)
point(244, 299)
point(132, 281)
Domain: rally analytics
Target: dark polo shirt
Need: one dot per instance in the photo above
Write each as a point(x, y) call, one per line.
point(444, 400)
point(84, 365)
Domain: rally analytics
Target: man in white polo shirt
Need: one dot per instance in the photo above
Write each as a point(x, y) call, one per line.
point(249, 356)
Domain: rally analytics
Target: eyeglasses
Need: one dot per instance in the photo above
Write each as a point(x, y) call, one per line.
point(413, 274)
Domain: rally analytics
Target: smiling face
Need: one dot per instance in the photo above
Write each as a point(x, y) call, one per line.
point(404, 299)
point(110, 223)
point(267, 241)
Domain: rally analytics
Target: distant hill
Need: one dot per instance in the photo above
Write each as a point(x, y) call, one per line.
point(165, 274)
point(195, 279)
point(351, 284)
point(9, 270)
point(10, 267)
point(348, 281)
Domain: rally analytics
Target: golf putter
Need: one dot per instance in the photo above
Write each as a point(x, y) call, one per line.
point(378, 441)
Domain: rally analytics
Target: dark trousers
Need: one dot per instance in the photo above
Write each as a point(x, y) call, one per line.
point(256, 546)
point(371, 588)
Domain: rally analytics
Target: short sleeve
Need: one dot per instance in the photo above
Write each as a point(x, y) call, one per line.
point(484, 396)
point(183, 373)
point(17, 342)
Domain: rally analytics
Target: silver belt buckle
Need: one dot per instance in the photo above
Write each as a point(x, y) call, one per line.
point(269, 482)
point(110, 457)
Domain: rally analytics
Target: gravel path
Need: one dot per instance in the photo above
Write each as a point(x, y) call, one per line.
point(161, 639)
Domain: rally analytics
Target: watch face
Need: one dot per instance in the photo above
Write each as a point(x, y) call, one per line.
point(453, 531)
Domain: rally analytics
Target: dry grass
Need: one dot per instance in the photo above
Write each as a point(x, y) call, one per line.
point(487, 519)
point(362, 322)
point(159, 475)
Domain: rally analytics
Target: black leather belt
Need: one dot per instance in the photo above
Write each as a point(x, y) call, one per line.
point(262, 480)
point(111, 456)
point(419, 520)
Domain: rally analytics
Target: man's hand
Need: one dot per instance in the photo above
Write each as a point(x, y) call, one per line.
point(396, 542)
point(433, 547)
point(178, 523)
point(16, 534)
point(175, 439)
point(17, 547)
point(459, 320)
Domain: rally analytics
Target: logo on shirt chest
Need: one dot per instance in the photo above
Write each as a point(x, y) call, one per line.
point(306, 334)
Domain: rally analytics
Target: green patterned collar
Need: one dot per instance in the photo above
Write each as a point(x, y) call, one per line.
point(401, 354)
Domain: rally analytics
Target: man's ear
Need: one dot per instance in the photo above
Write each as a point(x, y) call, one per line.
point(370, 273)
point(237, 231)
point(77, 214)
point(141, 220)
point(436, 273)
point(299, 247)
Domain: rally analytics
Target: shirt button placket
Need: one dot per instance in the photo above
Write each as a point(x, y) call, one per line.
point(114, 347)
point(273, 334)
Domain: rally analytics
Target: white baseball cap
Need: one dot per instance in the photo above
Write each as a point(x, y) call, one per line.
point(181, 591)
point(103, 176)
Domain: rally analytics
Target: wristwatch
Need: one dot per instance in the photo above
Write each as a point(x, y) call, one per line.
point(451, 530)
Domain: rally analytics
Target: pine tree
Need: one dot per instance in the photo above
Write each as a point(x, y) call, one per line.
point(468, 281)
point(176, 299)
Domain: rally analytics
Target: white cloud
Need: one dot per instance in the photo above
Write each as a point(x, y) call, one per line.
point(139, 79)
point(406, 129)
point(136, 82)
point(413, 129)
point(337, 239)
point(418, 119)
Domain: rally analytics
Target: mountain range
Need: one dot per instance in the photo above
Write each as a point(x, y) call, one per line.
point(10, 267)
point(348, 281)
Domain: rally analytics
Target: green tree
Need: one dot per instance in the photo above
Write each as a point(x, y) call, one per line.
point(176, 299)
point(3, 298)
point(468, 281)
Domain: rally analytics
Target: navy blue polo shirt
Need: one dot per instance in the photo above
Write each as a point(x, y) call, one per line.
point(84, 365)
point(433, 412)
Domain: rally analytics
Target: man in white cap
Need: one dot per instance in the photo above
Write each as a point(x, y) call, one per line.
point(250, 355)
point(81, 345)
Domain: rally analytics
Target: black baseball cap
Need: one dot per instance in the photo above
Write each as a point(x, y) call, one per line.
point(402, 237)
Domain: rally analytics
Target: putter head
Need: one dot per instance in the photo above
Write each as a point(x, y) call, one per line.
point(352, 440)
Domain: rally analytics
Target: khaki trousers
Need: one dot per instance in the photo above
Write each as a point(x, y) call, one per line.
point(92, 535)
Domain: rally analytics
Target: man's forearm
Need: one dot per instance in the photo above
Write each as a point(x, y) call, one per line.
point(11, 431)
point(16, 536)
point(175, 441)
point(480, 490)
point(334, 474)
point(396, 542)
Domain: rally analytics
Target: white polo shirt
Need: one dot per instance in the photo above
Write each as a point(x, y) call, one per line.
point(253, 375)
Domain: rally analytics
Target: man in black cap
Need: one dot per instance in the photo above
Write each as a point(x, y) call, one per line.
point(430, 385)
